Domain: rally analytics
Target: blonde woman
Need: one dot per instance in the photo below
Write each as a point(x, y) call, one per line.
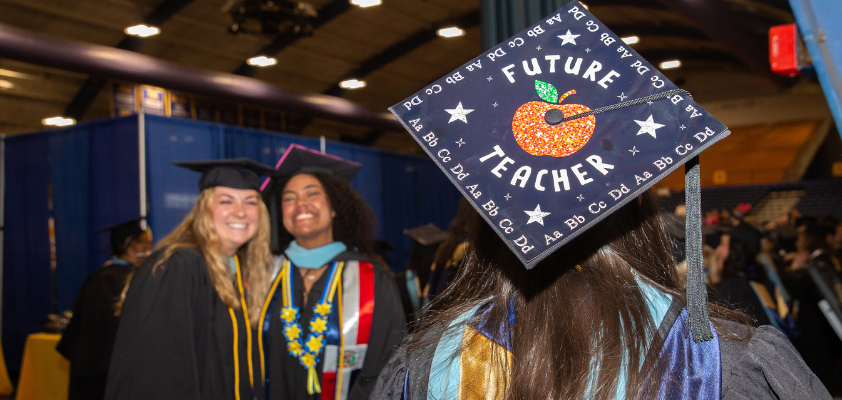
point(190, 310)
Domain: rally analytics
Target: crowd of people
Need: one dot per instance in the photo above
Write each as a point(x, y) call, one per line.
point(785, 273)
point(275, 292)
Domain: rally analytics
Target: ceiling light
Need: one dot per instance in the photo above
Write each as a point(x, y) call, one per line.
point(262, 61)
point(4, 84)
point(670, 64)
point(15, 74)
point(142, 30)
point(451, 32)
point(58, 121)
point(352, 84)
point(630, 39)
point(366, 3)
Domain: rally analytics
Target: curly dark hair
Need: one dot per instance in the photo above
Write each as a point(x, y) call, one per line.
point(354, 223)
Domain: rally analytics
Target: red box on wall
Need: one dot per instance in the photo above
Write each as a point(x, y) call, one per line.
point(784, 50)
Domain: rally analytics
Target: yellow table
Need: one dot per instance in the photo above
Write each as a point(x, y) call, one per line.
point(6, 387)
point(44, 373)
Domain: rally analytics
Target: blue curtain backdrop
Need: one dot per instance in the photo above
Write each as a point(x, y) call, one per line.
point(26, 248)
point(92, 170)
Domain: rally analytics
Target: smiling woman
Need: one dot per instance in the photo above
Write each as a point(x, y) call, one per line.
point(188, 313)
point(340, 313)
point(236, 216)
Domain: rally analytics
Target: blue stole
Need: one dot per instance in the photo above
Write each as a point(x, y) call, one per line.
point(313, 258)
point(688, 370)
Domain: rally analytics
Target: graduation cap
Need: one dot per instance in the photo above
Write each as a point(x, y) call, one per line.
point(427, 234)
point(235, 173)
point(551, 131)
point(123, 233)
point(299, 159)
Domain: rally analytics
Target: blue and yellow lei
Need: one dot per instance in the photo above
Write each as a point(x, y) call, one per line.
point(308, 352)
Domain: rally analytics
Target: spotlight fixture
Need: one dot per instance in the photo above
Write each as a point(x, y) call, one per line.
point(262, 61)
point(270, 17)
point(670, 64)
point(58, 121)
point(4, 84)
point(584, 5)
point(451, 32)
point(142, 30)
point(630, 39)
point(366, 3)
point(352, 84)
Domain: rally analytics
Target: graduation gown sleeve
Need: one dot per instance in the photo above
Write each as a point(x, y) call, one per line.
point(89, 338)
point(767, 367)
point(176, 337)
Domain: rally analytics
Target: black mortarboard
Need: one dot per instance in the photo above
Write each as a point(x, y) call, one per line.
point(236, 173)
point(426, 234)
point(299, 159)
point(551, 131)
point(123, 233)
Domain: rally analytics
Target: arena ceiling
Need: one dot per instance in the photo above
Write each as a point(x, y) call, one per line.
point(393, 47)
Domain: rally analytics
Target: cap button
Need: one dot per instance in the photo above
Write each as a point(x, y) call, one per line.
point(554, 116)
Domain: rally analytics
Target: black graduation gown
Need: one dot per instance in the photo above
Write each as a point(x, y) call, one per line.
point(735, 292)
point(818, 343)
point(288, 379)
point(89, 338)
point(176, 337)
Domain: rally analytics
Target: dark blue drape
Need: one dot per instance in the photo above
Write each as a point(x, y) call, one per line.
point(91, 170)
point(26, 248)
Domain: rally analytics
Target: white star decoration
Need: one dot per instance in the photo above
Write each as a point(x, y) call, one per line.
point(490, 79)
point(458, 113)
point(539, 48)
point(507, 196)
point(536, 215)
point(588, 50)
point(581, 198)
point(634, 150)
point(622, 96)
point(460, 142)
point(682, 127)
point(495, 104)
point(649, 126)
point(568, 38)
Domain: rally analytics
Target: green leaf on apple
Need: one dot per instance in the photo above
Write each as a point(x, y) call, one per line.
point(546, 91)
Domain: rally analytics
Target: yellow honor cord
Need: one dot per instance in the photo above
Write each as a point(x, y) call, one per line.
point(260, 325)
point(246, 317)
point(236, 355)
point(313, 386)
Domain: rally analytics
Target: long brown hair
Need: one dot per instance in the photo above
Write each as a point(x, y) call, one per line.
point(457, 233)
point(578, 308)
point(196, 231)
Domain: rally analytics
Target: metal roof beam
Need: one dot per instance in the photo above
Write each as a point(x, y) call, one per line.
point(285, 39)
point(111, 63)
point(724, 25)
point(89, 90)
point(399, 49)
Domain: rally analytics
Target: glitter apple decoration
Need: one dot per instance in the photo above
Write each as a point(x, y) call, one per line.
point(538, 129)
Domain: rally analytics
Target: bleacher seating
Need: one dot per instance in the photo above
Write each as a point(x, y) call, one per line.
point(820, 198)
